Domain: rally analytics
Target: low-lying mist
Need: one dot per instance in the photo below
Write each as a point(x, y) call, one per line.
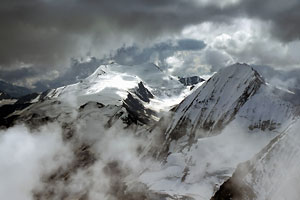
point(26, 155)
point(91, 162)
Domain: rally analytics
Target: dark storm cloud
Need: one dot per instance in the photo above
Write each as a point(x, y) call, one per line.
point(46, 32)
point(284, 16)
point(80, 69)
point(135, 55)
point(17, 74)
point(77, 71)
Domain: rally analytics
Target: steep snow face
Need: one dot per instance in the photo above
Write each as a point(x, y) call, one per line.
point(272, 174)
point(236, 92)
point(266, 111)
point(196, 166)
point(197, 169)
point(215, 103)
point(275, 171)
point(107, 86)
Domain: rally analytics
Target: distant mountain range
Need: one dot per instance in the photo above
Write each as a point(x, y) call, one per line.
point(13, 90)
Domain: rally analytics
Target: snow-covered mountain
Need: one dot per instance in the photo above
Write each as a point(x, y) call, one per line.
point(223, 122)
point(110, 84)
point(236, 92)
point(273, 173)
point(142, 91)
point(135, 132)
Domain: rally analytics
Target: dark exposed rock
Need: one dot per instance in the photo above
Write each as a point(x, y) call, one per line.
point(118, 115)
point(137, 111)
point(3, 95)
point(83, 157)
point(264, 125)
point(143, 93)
point(91, 103)
point(234, 188)
point(193, 80)
point(68, 131)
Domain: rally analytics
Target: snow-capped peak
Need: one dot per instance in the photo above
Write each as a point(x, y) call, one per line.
point(215, 103)
point(110, 84)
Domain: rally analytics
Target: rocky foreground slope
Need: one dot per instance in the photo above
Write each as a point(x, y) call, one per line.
point(138, 133)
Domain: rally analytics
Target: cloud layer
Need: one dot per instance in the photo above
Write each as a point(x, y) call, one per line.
point(40, 36)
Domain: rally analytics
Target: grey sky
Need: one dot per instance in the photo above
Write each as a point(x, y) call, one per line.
point(39, 37)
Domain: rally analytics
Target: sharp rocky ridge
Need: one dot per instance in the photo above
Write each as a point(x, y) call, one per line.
point(187, 131)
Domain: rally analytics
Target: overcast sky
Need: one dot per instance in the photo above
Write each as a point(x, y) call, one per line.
point(39, 37)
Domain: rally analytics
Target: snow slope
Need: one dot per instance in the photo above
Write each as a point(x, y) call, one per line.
point(235, 92)
point(247, 113)
point(198, 169)
point(109, 87)
point(271, 174)
point(110, 84)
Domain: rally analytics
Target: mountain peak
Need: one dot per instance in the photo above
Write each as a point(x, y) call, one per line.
point(215, 103)
point(240, 69)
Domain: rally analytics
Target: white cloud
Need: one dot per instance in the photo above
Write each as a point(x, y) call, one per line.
point(219, 3)
point(188, 63)
point(25, 155)
point(245, 40)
